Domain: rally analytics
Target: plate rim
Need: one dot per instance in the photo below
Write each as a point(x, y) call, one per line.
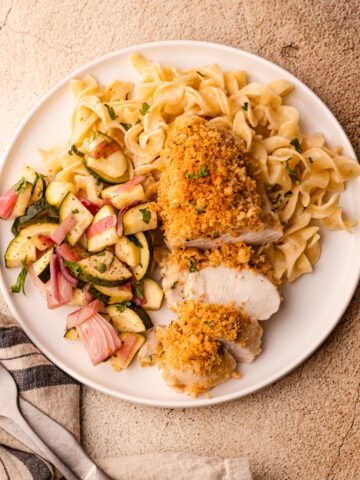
point(186, 402)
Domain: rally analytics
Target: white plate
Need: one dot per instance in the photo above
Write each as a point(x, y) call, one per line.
point(312, 306)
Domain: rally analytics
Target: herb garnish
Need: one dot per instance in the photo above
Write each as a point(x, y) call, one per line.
point(76, 210)
point(20, 186)
point(245, 106)
point(73, 267)
point(298, 182)
point(145, 214)
point(311, 160)
point(289, 194)
point(174, 285)
point(145, 107)
point(269, 186)
point(111, 111)
point(201, 209)
point(139, 289)
point(77, 152)
point(126, 126)
point(201, 74)
point(20, 282)
point(134, 240)
point(295, 143)
point(127, 96)
point(289, 169)
point(120, 307)
point(202, 173)
point(101, 267)
point(161, 353)
point(93, 134)
point(100, 254)
point(210, 324)
point(192, 265)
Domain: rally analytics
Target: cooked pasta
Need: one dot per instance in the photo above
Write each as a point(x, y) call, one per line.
point(304, 178)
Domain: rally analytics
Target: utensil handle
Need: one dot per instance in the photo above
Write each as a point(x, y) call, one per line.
point(48, 454)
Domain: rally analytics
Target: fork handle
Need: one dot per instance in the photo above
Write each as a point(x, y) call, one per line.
point(48, 454)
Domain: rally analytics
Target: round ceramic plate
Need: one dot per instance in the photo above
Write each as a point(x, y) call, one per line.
point(313, 304)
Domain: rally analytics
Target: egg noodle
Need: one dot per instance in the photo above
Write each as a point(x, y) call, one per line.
point(304, 177)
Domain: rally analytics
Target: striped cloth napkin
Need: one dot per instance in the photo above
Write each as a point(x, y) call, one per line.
point(58, 395)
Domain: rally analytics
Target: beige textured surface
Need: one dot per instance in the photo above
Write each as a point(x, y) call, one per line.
point(307, 426)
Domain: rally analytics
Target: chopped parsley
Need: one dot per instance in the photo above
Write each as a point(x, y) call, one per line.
point(20, 282)
point(269, 186)
point(289, 169)
point(127, 96)
point(145, 107)
point(137, 121)
point(192, 265)
point(209, 324)
point(101, 267)
point(73, 267)
point(289, 194)
point(145, 214)
point(201, 74)
point(295, 143)
point(161, 353)
point(298, 182)
point(201, 209)
point(77, 152)
point(311, 160)
point(120, 307)
point(245, 106)
point(126, 126)
point(134, 240)
point(111, 111)
point(93, 134)
point(20, 186)
point(174, 285)
point(202, 173)
point(139, 289)
point(76, 210)
point(100, 254)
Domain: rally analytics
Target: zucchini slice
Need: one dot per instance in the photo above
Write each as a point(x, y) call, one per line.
point(153, 294)
point(97, 294)
point(23, 246)
point(127, 251)
point(57, 191)
point(42, 266)
point(72, 334)
point(107, 237)
point(22, 201)
point(141, 218)
point(119, 293)
point(105, 270)
point(69, 205)
point(143, 239)
point(120, 199)
point(37, 210)
point(109, 167)
point(37, 181)
point(132, 319)
point(119, 361)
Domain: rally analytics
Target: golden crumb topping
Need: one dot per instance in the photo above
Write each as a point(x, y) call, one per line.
point(206, 191)
point(193, 341)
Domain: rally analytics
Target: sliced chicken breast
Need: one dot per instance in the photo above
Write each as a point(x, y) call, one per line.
point(190, 274)
point(210, 192)
point(201, 348)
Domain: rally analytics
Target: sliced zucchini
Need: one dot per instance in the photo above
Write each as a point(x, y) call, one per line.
point(129, 318)
point(22, 201)
point(122, 294)
point(72, 334)
point(41, 208)
point(127, 252)
point(102, 177)
point(107, 237)
point(121, 359)
point(141, 218)
point(37, 181)
point(42, 266)
point(97, 294)
point(57, 191)
point(106, 270)
point(153, 294)
point(120, 199)
point(109, 168)
point(71, 205)
point(24, 245)
point(143, 239)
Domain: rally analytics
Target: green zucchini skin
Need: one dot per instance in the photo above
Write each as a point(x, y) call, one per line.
point(114, 273)
point(34, 214)
point(100, 296)
point(146, 254)
point(105, 178)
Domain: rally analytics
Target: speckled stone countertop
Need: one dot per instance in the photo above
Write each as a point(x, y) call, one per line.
point(306, 426)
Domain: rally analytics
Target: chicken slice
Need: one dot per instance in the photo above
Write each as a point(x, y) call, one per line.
point(200, 349)
point(221, 278)
point(211, 191)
